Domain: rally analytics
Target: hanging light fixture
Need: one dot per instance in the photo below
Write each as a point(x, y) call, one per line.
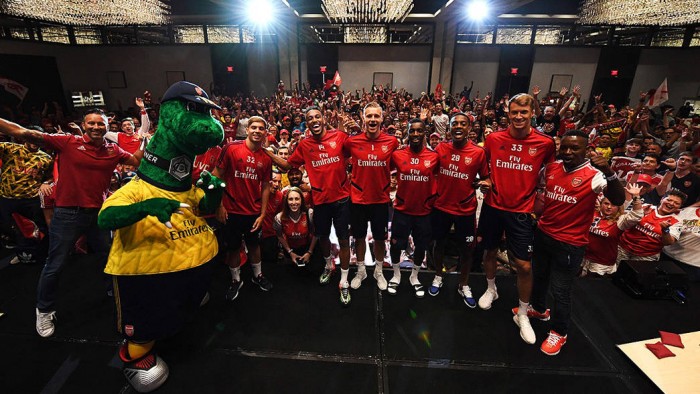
point(91, 12)
point(366, 11)
point(640, 12)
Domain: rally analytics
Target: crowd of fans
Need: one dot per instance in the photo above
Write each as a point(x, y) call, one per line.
point(654, 151)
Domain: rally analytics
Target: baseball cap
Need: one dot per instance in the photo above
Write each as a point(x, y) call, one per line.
point(284, 131)
point(644, 178)
point(190, 92)
point(434, 135)
point(296, 132)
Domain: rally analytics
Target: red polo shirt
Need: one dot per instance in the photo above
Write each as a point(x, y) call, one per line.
point(85, 170)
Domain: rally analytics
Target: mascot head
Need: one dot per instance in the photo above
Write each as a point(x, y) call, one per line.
point(186, 119)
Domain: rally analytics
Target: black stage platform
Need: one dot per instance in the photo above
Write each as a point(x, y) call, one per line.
point(298, 339)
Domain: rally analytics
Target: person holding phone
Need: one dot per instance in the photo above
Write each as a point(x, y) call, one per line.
point(294, 228)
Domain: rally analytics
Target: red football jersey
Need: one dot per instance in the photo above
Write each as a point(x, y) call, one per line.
point(129, 143)
point(370, 179)
point(205, 162)
point(416, 177)
point(86, 170)
point(455, 182)
point(274, 206)
point(244, 172)
point(603, 237)
point(325, 165)
point(298, 234)
point(644, 239)
point(515, 165)
point(569, 201)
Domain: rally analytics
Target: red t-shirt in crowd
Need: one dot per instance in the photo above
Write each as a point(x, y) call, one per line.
point(644, 239)
point(603, 238)
point(569, 201)
point(229, 131)
point(515, 165)
point(416, 176)
point(244, 173)
point(274, 205)
point(298, 234)
point(370, 179)
point(129, 143)
point(86, 170)
point(325, 165)
point(205, 162)
point(458, 170)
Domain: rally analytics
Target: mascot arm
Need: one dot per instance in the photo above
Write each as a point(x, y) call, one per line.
point(116, 217)
point(213, 192)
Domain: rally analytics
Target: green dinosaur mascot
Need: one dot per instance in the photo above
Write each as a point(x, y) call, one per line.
point(161, 242)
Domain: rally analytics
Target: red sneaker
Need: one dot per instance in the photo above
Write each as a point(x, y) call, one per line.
point(533, 314)
point(552, 345)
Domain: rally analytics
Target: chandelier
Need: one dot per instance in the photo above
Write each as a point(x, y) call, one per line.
point(640, 12)
point(90, 12)
point(366, 11)
point(365, 34)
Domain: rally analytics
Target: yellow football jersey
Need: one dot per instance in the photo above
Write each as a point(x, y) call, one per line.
point(147, 246)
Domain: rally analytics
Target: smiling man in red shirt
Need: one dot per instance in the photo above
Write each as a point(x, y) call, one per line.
point(247, 171)
point(370, 153)
point(516, 157)
point(87, 163)
point(322, 156)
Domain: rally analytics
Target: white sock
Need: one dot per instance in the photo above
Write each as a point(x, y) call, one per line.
point(414, 271)
point(378, 263)
point(397, 273)
point(491, 284)
point(438, 279)
point(257, 269)
point(361, 266)
point(235, 273)
point(378, 270)
point(343, 276)
point(329, 262)
point(522, 307)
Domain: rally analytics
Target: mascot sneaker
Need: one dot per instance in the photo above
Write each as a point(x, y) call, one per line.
point(146, 373)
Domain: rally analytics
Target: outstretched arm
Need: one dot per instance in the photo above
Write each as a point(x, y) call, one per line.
point(16, 131)
point(115, 217)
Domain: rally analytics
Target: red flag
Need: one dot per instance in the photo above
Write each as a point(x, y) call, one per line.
point(336, 79)
point(27, 227)
point(328, 84)
point(438, 91)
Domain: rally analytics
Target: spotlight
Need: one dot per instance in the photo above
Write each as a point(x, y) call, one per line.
point(260, 12)
point(478, 10)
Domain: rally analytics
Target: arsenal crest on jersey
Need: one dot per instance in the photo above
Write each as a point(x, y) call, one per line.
point(332, 144)
point(467, 160)
point(532, 151)
point(129, 330)
point(385, 148)
point(576, 182)
point(426, 163)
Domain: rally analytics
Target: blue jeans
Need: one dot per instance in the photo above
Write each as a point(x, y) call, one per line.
point(67, 225)
point(555, 265)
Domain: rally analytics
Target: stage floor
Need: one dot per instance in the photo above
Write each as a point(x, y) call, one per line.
point(298, 339)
